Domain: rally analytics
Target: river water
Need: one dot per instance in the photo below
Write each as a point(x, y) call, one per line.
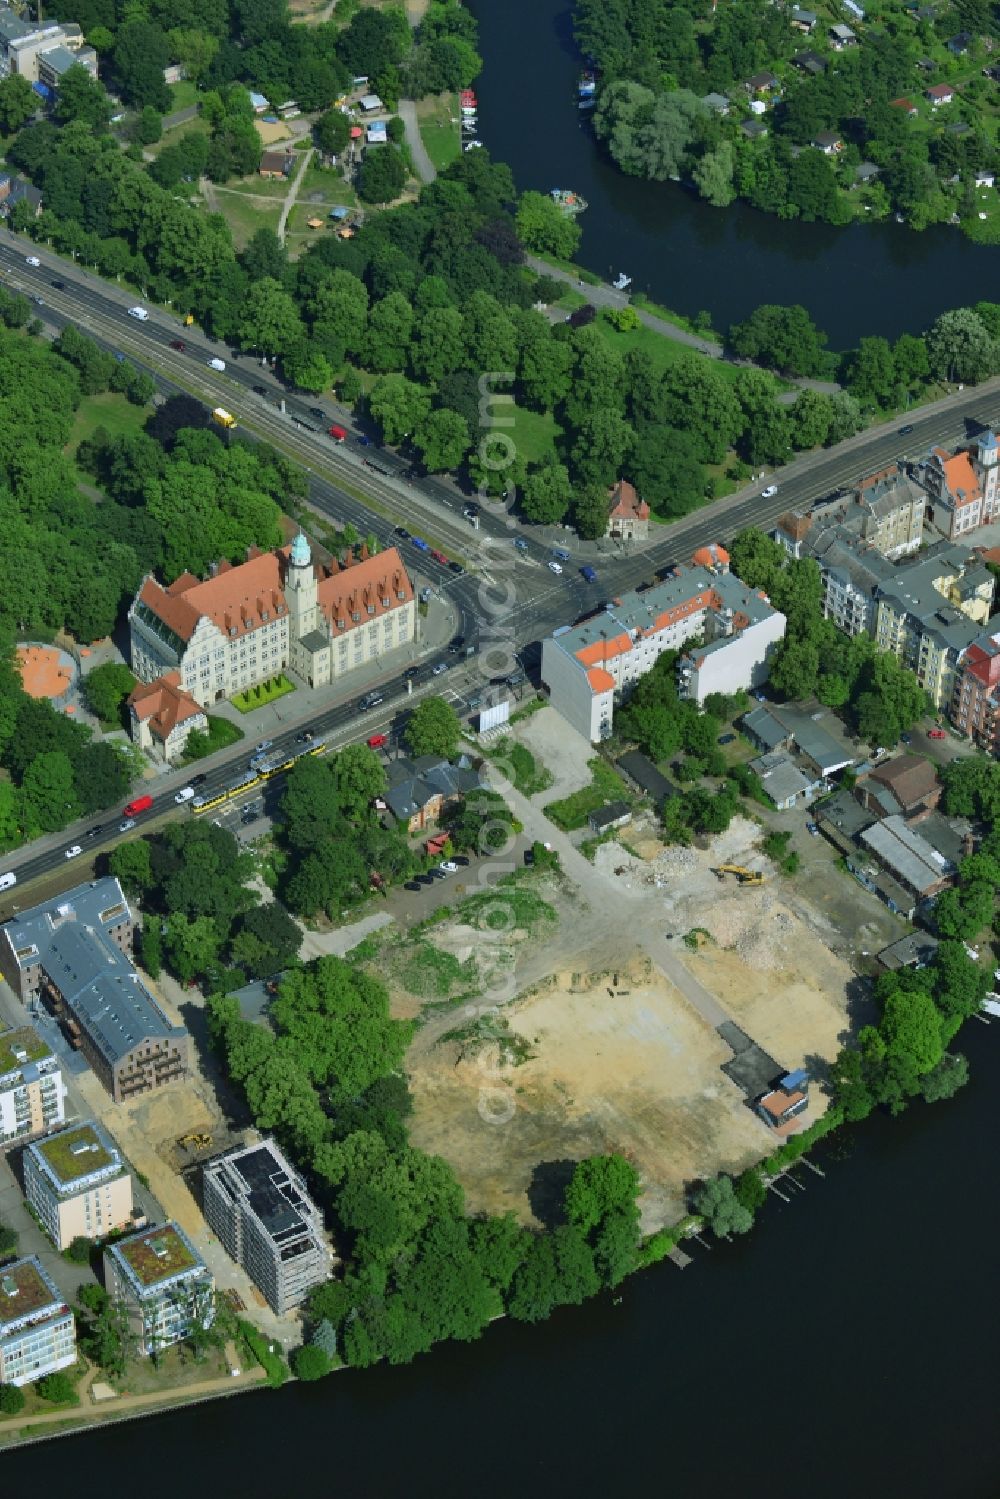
point(867, 278)
point(847, 1345)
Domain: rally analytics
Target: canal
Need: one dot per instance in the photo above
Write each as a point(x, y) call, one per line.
point(848, 1345)
point(867, 278)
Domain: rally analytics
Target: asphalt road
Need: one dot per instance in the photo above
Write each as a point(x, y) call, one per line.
point(509, 599)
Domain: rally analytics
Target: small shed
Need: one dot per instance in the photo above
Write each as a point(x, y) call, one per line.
point(259, 102)
point(339, 213)
point(375, 135)
point(314, 223)
point(369, 103)
point(611, 815)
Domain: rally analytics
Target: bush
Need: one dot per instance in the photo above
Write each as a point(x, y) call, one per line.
point(79, 1250)
point(57, 1388)
point(11, 1399)
point(310, 1362)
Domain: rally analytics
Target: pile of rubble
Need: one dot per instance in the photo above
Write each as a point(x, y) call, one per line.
point(754, 926)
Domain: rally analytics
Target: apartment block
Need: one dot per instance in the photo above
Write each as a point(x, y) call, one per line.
point(78, 1185)
point(976, 699)
point(591, 666)
point(260, 1209)
point(963, 486)
point(276, 610)
point(163, 1285)
point(932, 611)
point(37, 1330)
point(32, 1091)
point(42, 51)
point(74, 954)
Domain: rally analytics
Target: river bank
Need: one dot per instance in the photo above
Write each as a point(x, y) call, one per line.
point(864, 279)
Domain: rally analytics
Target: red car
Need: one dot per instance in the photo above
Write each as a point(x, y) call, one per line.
point(338, 434)
point(178, 344)
point(377, 740)
point(439, 557)
point(936, 734)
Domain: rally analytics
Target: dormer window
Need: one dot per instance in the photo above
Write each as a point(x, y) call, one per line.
point(401, 595)
point(385, 602)
point(232, 631)
point(355, 616)
point(341, 624)
point(265, 615)
point(371, 608)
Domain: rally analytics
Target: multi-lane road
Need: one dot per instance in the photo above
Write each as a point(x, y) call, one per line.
point(506, 594)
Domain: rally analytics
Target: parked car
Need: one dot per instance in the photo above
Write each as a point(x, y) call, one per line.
point(726, 738)
point(178, 344)
point(448, 866)
point(769, 490)
point(425, 879)
point(936, 734)
point(412, 885)
point(462, 861)
point(74, 852)
point(216, 364)
point(812, 828)
point(185, 794)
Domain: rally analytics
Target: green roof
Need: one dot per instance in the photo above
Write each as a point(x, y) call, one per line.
point(67, 1164)
point(157, 1254)
point(24, 1039)
point(22, 1291)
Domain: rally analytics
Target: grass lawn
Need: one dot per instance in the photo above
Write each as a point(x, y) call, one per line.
point(534, 432)
point(222, 732)
point(265, 692)
point(182, 95)
point(438, 121)
point(665, 351)
point(245, 216)
point(517, 762)
point(256, 187)
point(197, 126)
point(328, 182)
point(110, 411)
point(606, 786)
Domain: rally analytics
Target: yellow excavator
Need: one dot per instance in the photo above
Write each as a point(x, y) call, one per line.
point(745, 876)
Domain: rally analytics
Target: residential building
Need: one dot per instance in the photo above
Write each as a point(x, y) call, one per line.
point(963, 486)
point(761, 83)
point(37, 1330)
point(802, 20)
point(641, 771)
point(884, 512)
point(976, 697)
point(163, 1285)
point(265, 1220)
point(785, 782)
point(781, 1107)
point(162, 715)
point(32, 1091)
point(74, 953)
point(810, 62)
point(78, 1185)
point(915, 950)
point(53, 62)
point(420, 789)
point(612, 815)
point(840, 37)
point(939, 93)
point(278, 609)
point(908, 858)
point(628, 516)
point(829, 142)
point(931, 611)
point(42, 51)
point(591, 666)
point(906, 786)
point(276, 164)
point(717, 103)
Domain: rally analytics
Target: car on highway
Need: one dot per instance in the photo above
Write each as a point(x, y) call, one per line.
point(199, 780)
point(936, 734)
point(456, 567)
point(127, 825)
point(456, 646)
point(410, 673)
point(768, 491)
point(470, 511)
point(439, 557)
point(59, 285)
point(139, 313)
point(265, 744)
point(178, 344)
point(520, 543)
point(186, 794)
point(73, 852)
point(438, 668)
point(318, 413)
point(369, 701)
point(420, 544)
point(555, 567)
point(7, 880)
point(588, 574)
point(39, 300)
point(216, 364)
point(365, 442)
point(401, 532)
point(32, 260)
point(259, 390)
point(95, 832)
point(377, 741)
point(306, 737)
point(906, 430)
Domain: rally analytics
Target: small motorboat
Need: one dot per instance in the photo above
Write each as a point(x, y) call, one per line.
point(622, 282)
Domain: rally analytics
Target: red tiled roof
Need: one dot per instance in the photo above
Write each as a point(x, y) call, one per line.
point(712, 555)
point(600, 680)
point(164, 704)
point(601, 650)
point(626, 504)
point(959, 476)
point(235, 599)
point(370, 587)
point(940, 91)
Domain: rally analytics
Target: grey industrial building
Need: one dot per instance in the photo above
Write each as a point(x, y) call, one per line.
point(74, 952)
point(267, 1223)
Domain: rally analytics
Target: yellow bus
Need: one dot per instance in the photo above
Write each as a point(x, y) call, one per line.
point(223, 417)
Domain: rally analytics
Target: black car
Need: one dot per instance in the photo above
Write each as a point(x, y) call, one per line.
point(460, 859)
point(94, 832)
point(305, 737)
point(425, 879)
point(726, 738)
point(904, 430)
point(318, 413)
point(410, 673)
point(260, 390)
point(457, 646)
point(59, 285)
point(411, 885)
point(438, 874)
point(401, 532)
point(455, 567)
point(198, 780)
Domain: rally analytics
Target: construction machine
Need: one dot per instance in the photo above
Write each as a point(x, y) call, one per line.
point(744, 876)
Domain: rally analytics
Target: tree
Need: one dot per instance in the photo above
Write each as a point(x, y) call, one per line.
point(544, 228)
point(310, 1362)
point(960, 347)
point(18, 102)
point(717, 1202)
point(382, 176)
point(439, 344)
point(269, 319)
point(547, 492)
point(911, 1029)
point(944, 1080)
point(80, 1249)
point(399, 406)
point(442, 440)
point(81, 98)
point(12, 1400)
point(192, 946)
point(266, 941)
point(140, 56)
point(783, 337)
point(713, 175)
point(390, 327)
point(750, 1190)
point(106, 688)
point(332, 131)
point(872, 373)
point(433, 729)
point(131, 863)
point(481, 822)
point(50, 791)
point(57, 1388)
point(149, 126)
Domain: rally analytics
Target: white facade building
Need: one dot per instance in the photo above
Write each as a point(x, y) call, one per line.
point(77, 1184)
point(32, 1091)
point(37, 1330)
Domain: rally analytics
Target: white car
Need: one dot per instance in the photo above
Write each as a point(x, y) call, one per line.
point(7, 880)
point(186, 794)
point(72, 853)
point(217, 364)
point(449, 866)
point(32, 260)
point(769, 491)
point(555, 567)
point(127, 825)
point(139, 313)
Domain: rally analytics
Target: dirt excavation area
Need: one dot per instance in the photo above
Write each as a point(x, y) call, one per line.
point(568, 1038)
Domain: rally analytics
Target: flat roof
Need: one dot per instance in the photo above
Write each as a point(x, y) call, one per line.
point(157, 1254)
point(272, 1191)
point(25, 1289)
point(77, 1152)
point(23, 1039)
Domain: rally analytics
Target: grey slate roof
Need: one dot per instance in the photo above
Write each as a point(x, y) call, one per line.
point(414, 783)
point(905, 854)
point(780, 777)
point(774, 726)
point(69, 938)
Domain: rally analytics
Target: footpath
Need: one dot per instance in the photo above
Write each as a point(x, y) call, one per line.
point(108, 1411)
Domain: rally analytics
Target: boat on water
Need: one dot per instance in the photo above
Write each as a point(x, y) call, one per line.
point(586, 84)
point(568, 201)
point(587, 103)
point(622, 282)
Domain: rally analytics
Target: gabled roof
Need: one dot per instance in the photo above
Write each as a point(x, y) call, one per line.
point(940, 91)
point(413, 784)
point(369, 587)
point(236, 599)
point(626, 504)
point(959, 475)
point(908, 777)
point(164, 704)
